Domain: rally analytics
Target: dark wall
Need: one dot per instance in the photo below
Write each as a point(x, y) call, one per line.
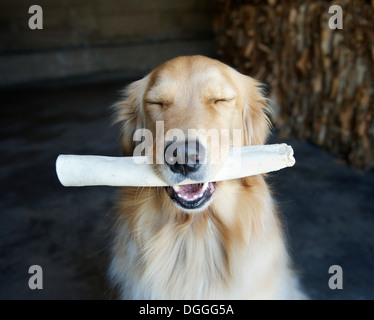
point(93, 38)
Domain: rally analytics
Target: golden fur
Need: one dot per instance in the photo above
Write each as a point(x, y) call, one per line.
point(232, 249)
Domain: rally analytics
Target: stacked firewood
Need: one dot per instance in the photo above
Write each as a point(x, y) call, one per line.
point(322, 79)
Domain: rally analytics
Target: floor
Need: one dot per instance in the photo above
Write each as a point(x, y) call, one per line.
point(327, 207)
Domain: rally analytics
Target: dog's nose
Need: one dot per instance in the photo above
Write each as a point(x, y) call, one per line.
point(185, 157)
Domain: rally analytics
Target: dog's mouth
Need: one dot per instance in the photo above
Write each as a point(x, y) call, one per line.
point(192, 196)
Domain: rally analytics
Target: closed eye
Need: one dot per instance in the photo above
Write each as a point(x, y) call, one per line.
point(218, 100)
point(157, 103)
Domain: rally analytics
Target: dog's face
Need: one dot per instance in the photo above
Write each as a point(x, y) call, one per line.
point(194, 107)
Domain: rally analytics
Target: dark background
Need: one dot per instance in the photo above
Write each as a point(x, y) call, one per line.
point(56, 87)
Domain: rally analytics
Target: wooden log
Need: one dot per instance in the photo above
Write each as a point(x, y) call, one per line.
point(322, 79)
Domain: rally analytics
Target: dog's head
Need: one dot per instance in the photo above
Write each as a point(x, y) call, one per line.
point(193, 108)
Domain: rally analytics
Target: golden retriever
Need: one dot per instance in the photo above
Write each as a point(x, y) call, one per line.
point(200, 241)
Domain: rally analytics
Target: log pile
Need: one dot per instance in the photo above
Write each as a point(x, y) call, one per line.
point(322, 80)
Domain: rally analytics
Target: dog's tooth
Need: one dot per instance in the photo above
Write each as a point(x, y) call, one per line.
point(176, 188)
point(195, 197)
point(205, 186)
point(179, 195)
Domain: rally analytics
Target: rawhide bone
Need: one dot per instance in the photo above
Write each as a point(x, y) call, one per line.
point(79, 171)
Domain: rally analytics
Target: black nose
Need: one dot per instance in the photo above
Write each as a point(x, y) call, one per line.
point(184, 157)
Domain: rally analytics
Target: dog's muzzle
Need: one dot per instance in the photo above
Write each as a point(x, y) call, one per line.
point(187, 160)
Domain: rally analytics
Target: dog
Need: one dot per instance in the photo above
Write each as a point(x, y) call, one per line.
point(211, 240)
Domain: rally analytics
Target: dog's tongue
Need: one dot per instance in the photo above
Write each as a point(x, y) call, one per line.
point(190, 188)
point(190, 191)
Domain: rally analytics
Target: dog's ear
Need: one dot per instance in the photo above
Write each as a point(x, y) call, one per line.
point(129, 113)
point(256, 113)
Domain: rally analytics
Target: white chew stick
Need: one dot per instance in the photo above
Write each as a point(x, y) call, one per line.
point(78, 171)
